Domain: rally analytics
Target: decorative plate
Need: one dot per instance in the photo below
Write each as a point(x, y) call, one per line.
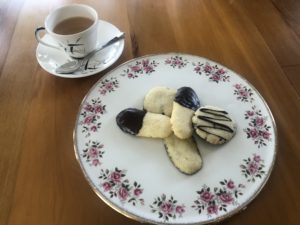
point(135, 176)
point(49, 58)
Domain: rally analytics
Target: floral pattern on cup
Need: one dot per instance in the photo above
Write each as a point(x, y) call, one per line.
point(213, 201)
point(145, 66)
point(108, 85)
point(253, 168)
point(176, 62)
point(75, 47)
point(167, 208)
point(118, 186)
point(214, 73)
point(258, 130)
point(90, 115)
point(243, 93)
point(92, 152)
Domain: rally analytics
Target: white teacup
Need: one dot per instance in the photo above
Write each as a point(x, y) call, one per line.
point(74, 29)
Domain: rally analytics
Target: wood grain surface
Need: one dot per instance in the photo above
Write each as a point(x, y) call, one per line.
point(41, 181)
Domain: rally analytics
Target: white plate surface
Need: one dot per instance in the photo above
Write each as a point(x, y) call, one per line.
point(135, 176)
point(49, 58)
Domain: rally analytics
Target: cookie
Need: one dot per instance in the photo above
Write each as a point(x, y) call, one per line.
point(184, 154)
point(185, 103)
point(160, 100)
point(213, 124)
point(144, 124)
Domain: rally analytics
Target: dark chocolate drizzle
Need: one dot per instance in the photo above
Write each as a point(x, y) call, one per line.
point(220, 138)
point(217, 115)
point(188, 98)
point(131, 120)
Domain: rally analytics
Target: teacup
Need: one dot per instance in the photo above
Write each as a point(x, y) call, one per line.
point(73, 27)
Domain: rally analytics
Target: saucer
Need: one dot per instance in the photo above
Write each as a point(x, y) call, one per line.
point(50, 58)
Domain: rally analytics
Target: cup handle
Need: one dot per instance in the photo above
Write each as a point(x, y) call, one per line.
point(38, 38)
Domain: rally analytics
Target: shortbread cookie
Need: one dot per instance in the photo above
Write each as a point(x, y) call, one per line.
point(144, 124)
point(213, 125)
point(160, 100)
point(185, 103)
point(184, 154)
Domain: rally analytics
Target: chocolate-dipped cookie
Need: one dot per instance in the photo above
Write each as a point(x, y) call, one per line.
point(160, 100)
point(144, 124)
point(184, 154)
point(213, 124)
point(185, 103)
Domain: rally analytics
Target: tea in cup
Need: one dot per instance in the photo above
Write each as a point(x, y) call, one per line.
point(74, 28)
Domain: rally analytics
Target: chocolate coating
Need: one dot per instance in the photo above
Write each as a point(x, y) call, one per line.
point(188, 98)
point(131, 120)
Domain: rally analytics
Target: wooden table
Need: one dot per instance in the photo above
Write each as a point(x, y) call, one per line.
point(41, 181)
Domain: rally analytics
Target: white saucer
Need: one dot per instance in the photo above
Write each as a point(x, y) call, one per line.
point(49, 58)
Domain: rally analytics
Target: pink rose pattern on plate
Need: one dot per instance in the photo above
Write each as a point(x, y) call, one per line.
point(117, 185)
point(90, 115)
point(214, 73)
point(176, 62)
point(93, 152)
point(209, 201)
point(145, 66)
point(212, 201)
point(253, 168)
point(108, 85)
point(167, 208)
point(258, 130)
point(243, 93)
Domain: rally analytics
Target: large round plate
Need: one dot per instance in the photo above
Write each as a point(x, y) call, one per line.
point(135, 176)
